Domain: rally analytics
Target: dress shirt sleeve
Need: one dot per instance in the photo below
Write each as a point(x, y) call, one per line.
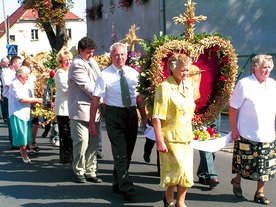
point(238, 96)
point(99, 89)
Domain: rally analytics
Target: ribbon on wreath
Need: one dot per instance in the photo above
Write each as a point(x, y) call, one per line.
point(49, 86)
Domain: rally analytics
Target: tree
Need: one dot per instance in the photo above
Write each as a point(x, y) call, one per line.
point(51, 18)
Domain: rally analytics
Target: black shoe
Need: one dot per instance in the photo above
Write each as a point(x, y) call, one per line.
point(81, 179)
point(115, 189)
point(203, 181)
point(94, 180)
point(44, 134)
point(147, 159)
point(130, 194)
point(15, 148)
point(99, 155)
point(213, 182)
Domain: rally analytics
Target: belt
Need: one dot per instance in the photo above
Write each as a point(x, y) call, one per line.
point(122, 108)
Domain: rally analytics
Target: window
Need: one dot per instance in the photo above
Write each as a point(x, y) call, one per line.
point(69, 33)
point(12, 38)
point(34, 34)
point(112, 3)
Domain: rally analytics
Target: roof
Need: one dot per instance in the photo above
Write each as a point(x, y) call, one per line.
point(28, 14)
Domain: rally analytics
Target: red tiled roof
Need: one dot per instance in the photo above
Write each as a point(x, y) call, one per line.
point(27, 14)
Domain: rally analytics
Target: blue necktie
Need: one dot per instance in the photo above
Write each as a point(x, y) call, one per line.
point(124, 90)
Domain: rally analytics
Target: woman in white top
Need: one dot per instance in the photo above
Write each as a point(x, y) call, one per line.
point(33, 147)
point(20, 100)
point(252, 118)
point(64, 59)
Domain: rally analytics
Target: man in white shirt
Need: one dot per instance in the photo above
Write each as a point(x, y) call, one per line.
point(120, 117)
point(7, 77)
point(4, 64)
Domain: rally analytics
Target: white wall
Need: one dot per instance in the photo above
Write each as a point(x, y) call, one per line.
point(22, 32)
point(250, 23)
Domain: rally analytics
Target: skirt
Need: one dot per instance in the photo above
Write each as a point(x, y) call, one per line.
point(254, 160)
point(176, 166)
point(21, 131)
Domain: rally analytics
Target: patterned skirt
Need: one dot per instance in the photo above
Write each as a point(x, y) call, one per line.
point(254, 160)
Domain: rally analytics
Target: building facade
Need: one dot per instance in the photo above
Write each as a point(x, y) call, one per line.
point(32, 40)
point(249, 23)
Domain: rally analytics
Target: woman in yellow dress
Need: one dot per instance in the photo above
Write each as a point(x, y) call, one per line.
point(172, 121)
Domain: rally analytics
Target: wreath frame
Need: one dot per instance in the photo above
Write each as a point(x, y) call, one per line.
point(153, 75)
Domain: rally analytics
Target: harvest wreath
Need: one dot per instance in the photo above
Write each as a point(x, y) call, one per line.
point(214, 57)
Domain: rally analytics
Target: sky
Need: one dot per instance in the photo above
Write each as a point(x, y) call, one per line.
point(12, 5)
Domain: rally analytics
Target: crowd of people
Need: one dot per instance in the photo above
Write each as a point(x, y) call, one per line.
point(82, 89)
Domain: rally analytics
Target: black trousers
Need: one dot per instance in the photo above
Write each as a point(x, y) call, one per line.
point(149, 144)
point(5, 114)
point(66, 142)
point(122, 128)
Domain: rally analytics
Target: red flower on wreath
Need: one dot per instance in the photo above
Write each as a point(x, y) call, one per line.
point(215, 49)
point(225, 60)
point(197, 119)
point(223, 78)
point(190, 21)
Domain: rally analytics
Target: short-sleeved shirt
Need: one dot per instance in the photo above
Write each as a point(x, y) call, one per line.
point(7, 77)
point(256, 104)
point(175, 110)
point(108, 85)
point(19, 91)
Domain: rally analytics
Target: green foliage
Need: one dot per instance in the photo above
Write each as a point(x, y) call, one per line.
point(203, 35)
point(145, 63)
point(52, 63)
point(51, 18)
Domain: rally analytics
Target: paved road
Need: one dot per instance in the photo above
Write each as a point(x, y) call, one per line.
point(45, 182)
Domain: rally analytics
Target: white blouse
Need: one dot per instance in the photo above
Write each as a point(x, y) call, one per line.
point(61, 101)
point(19, 91)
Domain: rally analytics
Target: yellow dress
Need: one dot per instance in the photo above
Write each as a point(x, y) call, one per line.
point(175, 109)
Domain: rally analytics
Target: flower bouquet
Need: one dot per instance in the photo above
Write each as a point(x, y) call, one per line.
point(95, 12)
point(125, 4)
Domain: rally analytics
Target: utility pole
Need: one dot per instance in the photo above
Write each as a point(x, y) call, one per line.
point(6, 24)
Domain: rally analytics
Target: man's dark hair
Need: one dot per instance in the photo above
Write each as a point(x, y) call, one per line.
point(86, 42)
point(14, 58)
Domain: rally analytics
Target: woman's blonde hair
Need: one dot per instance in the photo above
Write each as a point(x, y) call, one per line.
point(27, 62)
point(259, 60)
point(63, 54)
point(176, 59)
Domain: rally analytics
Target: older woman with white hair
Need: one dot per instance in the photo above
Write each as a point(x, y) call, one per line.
point(252, 113)
point(172, 121)
point(20, 100)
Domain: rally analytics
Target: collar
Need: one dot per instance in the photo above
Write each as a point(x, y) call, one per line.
point(175, 86)
point(115, 69)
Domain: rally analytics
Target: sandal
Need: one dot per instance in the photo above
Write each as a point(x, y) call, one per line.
point(237, 191)
point(30, 147)
point(35, 147)
point(261, 199)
